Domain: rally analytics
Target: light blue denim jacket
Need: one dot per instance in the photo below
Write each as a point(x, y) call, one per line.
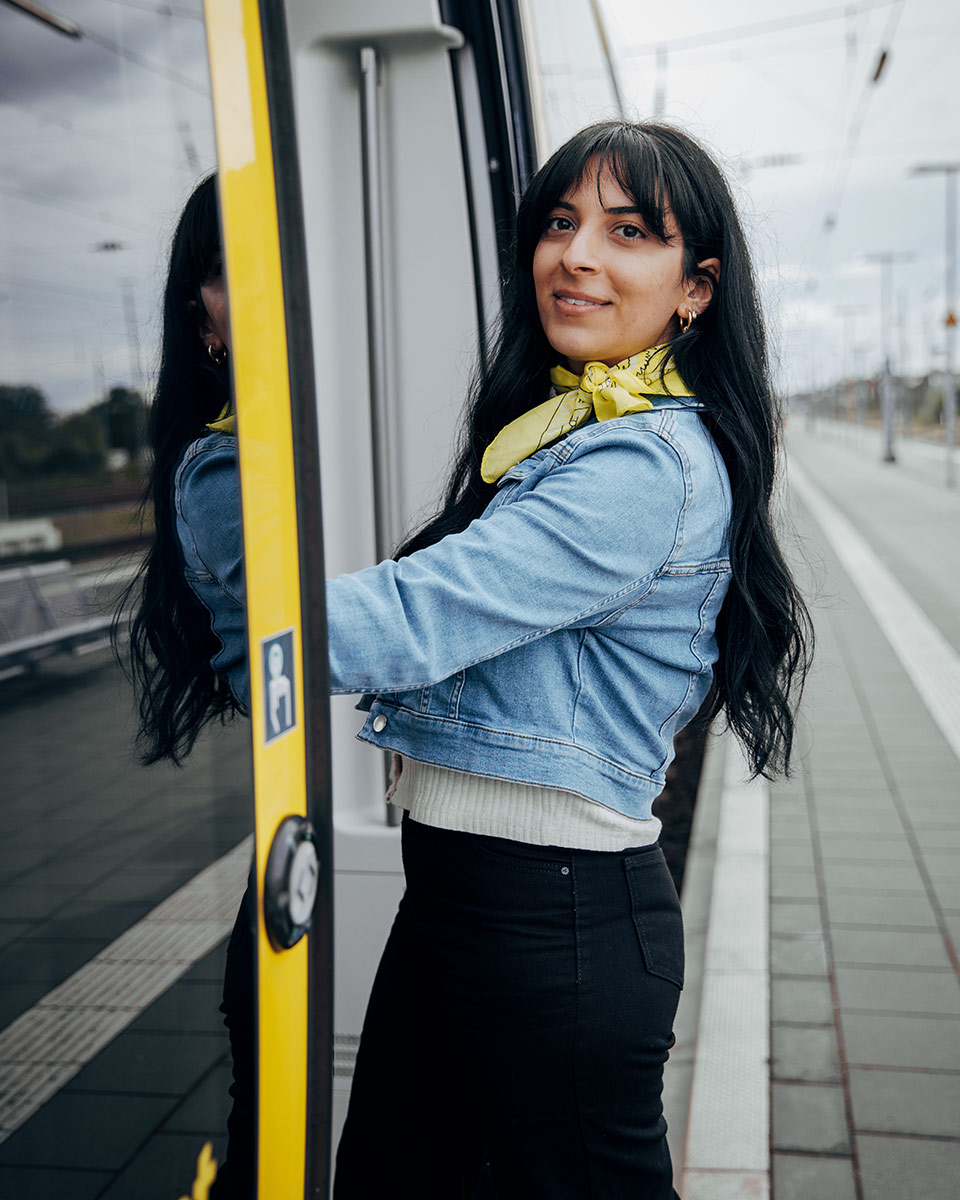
point(565, 636)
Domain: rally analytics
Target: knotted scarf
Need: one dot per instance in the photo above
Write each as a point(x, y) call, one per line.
point(606, 391)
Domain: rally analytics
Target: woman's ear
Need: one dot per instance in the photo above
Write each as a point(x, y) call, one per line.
point(700, 287)
point(201, 323)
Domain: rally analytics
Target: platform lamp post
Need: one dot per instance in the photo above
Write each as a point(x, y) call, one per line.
point(886, 261)
point(949, 170)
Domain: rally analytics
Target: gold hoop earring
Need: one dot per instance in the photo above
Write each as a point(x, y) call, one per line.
point(686, 322)
point(219, 357)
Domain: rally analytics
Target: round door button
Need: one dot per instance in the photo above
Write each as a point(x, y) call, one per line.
point(291, 882)
point(379, 723)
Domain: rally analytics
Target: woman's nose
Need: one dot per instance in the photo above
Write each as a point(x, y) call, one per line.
point(580, 254)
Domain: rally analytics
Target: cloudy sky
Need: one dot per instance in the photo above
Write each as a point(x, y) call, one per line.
point(102, 139)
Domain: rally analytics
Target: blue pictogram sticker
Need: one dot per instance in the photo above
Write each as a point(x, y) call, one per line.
point(278, 685)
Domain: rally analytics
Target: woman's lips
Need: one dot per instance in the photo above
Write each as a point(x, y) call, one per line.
point(574, 305)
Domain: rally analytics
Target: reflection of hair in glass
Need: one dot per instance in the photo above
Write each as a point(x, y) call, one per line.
point(171, 642)
point(764, 631)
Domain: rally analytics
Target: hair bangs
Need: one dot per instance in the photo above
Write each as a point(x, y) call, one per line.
point(622, 153)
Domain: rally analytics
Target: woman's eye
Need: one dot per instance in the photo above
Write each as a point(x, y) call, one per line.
point(559, 224)
point(632, 232)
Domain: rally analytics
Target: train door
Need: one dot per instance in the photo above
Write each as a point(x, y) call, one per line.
point(415, 136)
point(283, 553)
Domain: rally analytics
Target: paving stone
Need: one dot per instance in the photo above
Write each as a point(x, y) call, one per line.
point(952, 922)
point(809, 1117)
point(22, 902)
point(789, 819)
point(210, 967)
point(81, 869)
point(881, 877)
point(939, 839)
point(805, 1001)
point(11, 930)
point(86, 1130)
point(49, 962)
point(798, 954)
point(205, 1109)
point(892, 1168)
point(808, 1053)
point(151, 1063)
point(789, 882)
point(945, 818)
point(948, 892)
point(873, 908)
point(185, 1008)
point(831, 821)
point(790, 854)
point(906, 1102)
point(90, 920)
point(165, 1167)
point(42, 1183)
point(918, 948)
point(943, 863)
point(807, 1177)
point(901, 991)
point(16, 998)
point(867, 800)
point(795, 916)
point(868, 849)
point(884, 1039)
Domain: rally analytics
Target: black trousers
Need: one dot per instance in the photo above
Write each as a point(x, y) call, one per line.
point(236, 1176)
point(521, 1016)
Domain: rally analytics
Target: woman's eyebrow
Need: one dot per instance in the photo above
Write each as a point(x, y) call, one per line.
point(618, 211)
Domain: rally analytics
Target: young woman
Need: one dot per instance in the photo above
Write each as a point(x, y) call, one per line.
point(603, 569)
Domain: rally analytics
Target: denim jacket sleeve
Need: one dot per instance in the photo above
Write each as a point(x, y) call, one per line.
point(209, 503)
point(588, 538)
point(207, 493)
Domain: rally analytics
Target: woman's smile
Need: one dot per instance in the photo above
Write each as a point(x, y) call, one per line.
point(574, 303)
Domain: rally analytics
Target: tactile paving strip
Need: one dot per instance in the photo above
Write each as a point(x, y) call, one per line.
point(47, 1045)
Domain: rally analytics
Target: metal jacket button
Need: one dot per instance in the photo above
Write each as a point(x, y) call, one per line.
point(379, 723)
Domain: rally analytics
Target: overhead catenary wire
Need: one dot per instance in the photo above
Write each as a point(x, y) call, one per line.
point(849, 147)
point(733, 33)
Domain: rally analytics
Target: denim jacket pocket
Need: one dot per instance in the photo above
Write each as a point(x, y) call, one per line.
point(656, 916)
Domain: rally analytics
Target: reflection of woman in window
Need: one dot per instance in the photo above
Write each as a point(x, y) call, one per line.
point(188, 648)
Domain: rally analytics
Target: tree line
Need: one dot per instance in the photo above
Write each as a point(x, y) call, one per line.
point(36, 442)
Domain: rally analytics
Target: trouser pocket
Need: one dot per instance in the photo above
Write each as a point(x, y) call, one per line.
point(656, 915)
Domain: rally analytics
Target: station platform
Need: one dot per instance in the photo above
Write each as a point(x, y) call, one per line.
point(818, 1040)
point(859, 1082)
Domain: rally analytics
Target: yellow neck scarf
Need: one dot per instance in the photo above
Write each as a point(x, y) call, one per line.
point(606, 391)
point(226, 422)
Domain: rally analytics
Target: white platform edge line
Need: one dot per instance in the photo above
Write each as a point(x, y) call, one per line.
point(930, 661)
point(728, 1129)
point(43, 1048)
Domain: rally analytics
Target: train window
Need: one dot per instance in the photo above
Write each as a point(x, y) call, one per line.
point(571, 68)
point(119, 885)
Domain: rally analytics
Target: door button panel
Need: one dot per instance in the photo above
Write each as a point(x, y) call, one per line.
point(291, 882)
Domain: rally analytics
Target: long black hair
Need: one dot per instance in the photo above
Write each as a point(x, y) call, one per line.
point(764, 631)
point(171, 641)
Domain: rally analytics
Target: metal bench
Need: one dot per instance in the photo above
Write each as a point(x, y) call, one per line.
point(43, 611)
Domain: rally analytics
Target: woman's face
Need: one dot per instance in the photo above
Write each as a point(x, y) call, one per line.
point(606, 287)
point(213, 293)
